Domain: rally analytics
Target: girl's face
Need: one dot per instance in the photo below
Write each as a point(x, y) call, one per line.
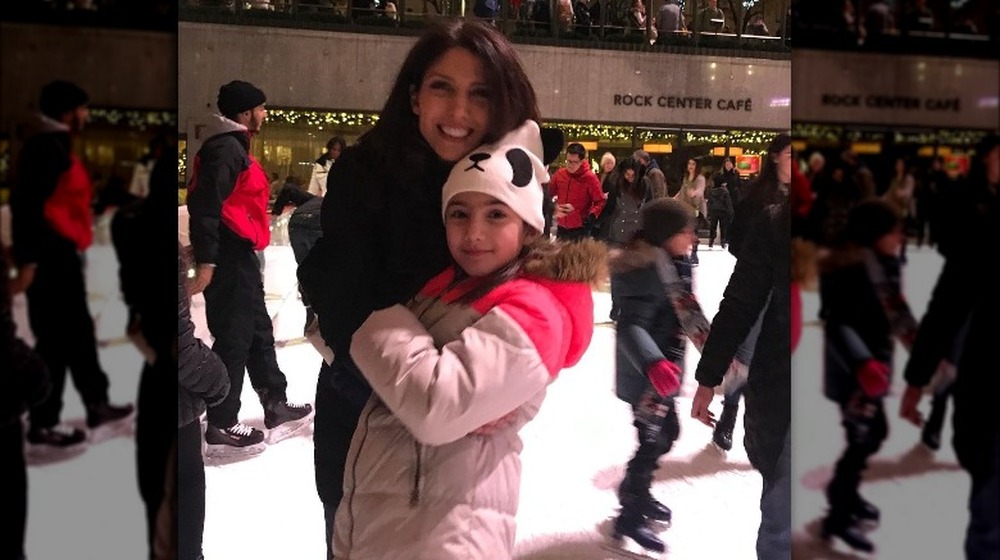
point(692, 167)
point(629, 175)
point(900, 167)
point(609, 165)
point(679, 244)
point(453, 104)
point(890, 243)
point(727, 165)
point(484, 234)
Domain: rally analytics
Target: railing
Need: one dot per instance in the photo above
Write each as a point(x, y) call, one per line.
point(530, 21)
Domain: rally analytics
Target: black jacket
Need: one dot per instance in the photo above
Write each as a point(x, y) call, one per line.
point(201, 376)
point(763, 266)
point(383, 239)
point(42, 161)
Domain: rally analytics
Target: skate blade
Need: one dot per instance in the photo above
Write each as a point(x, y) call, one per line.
point(840, 546)
point(289, 429)
point(41, 454)
point(625, 548)
point(222, 454)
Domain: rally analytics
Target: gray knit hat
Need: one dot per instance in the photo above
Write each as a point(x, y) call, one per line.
point(663, 218)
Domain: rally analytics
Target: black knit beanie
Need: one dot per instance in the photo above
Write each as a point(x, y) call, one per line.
point(663, 218)
point(871, 219)
point(237, 96)
point(60, 96)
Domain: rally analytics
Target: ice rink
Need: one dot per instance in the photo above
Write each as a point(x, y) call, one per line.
point(575, 451)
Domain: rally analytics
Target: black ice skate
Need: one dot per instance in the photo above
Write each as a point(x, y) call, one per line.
point(104, 413)
point(283, 419)
point(723, 434)
point(847, 532)
point(632, 524)
point(238, 440)
point(107, 421)
point(650, 507)
point(58, 436)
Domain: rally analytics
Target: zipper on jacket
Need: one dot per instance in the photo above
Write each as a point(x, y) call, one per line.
point(415, 491)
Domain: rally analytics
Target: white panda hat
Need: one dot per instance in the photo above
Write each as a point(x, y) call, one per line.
point(510, 170)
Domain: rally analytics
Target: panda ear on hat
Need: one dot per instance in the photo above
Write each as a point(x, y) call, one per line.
point(526, 137)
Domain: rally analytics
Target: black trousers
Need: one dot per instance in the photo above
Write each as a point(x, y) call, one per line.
point(722, 223)
point(303, 232)
point(155, 430)
point(190, 492)
point(14, 505)
point(333, 427)
point(657, 432)
point(238, 319)
point(64, 333)
point(865, 428)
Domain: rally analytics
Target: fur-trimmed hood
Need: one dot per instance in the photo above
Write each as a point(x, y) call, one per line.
point(636, 255)
point(581, 261)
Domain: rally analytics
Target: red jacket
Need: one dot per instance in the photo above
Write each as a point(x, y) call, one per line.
point(68, 209)
point(581, 189)
point(228, 189)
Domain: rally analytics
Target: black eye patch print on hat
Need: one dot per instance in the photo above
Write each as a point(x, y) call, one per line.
point(521, 166)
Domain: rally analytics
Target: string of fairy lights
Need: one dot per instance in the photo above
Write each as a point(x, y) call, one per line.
point(136, 119)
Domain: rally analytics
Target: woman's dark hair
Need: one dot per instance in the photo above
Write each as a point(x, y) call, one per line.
point(512, 99)
point(767, 188)
point(697, 168)
point(635, 189)
point(334, 141)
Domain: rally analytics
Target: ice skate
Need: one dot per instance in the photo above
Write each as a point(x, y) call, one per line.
point(284, 420)
point(847, 533)
point(642, 541)
point(236, 442)
point(54, 444)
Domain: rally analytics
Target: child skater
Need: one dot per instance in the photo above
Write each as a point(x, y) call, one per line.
point(651, 283)
point(863, 309)
point(434, 468)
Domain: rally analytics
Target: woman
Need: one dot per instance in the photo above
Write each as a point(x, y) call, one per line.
point(626, 199)
point(460, 86)
point(760, 284)
point(900, 195)
point(692, 193)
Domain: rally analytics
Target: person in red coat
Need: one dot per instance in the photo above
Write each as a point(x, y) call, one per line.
point(578, 193)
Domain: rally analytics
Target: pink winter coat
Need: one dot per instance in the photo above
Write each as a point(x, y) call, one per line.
point(424, 480)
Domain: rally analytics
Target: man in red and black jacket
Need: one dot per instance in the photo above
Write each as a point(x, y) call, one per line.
point(227, 202)
point(579, 195)
point(51, 227)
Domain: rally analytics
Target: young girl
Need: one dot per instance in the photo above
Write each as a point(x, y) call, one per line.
point(433, 468)
point(651, 285)
point(863, 308)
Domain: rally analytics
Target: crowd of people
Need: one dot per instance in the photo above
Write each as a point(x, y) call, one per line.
point(448, 280)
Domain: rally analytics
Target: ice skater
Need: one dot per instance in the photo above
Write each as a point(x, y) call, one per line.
point(651, 284)
point(863, 309)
